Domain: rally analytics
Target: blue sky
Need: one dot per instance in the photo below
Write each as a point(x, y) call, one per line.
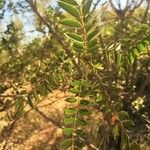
point(27, 18)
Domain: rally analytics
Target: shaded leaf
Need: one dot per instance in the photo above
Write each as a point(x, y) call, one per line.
point(48, 86)
point(86, 5)
point(75, 37)
point(123, 115)
point(80, 144)
point(92, 43)
point(118, 106)
point(92, 35)
point(127, 123)
point(115, 131)
point(35, 95)
point(65, 143)
point(30, 102)
point(83, 112)
point(84, 102)
point(42, 89)
point(124, 141)
point(71, 100)
point(80, 133)
point(78, 47)
point(81, 122)
point(134, 146)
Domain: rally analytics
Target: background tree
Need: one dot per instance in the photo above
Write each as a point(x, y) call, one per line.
point(100, 53)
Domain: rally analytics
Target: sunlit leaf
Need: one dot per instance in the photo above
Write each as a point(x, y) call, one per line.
point(71, 23)
point(141, 48)
point(135, 52)
point(67, 131)
point(69, 111)
point(68, 120)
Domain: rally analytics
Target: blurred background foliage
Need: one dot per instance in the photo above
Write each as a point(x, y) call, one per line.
point(32, 52)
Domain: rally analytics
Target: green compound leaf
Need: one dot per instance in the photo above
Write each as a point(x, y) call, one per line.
point(144, 26)
point(30, 102)
point(127, 123)
point(69, 8)
point(123, 115)
point(68, 121)
point(93, 35)
point(71, 100)
point(71, 2)
point(141, 48)
point(75, 37)
point(134, 146)
point(42, 89)
point(70, 111)
point(97, 66)
point(118, 57)
point(135, 52)
point(83, 112)
point(115, 131)
point(78, 46)
point(81, 122)
point(79, 143)
point(92, 43)
point(118, 106)
point(35, 95)
point(131, 58)
point(84, 102)
point(71, 23)
point(86, 6)
point(67, 131)
point(48, 85)
point(124, 141)
point(65, 143)
point(80, 132)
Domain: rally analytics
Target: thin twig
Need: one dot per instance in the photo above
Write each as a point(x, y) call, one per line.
point(54, 34)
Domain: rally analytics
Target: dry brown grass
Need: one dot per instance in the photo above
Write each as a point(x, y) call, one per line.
point(33, 132)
